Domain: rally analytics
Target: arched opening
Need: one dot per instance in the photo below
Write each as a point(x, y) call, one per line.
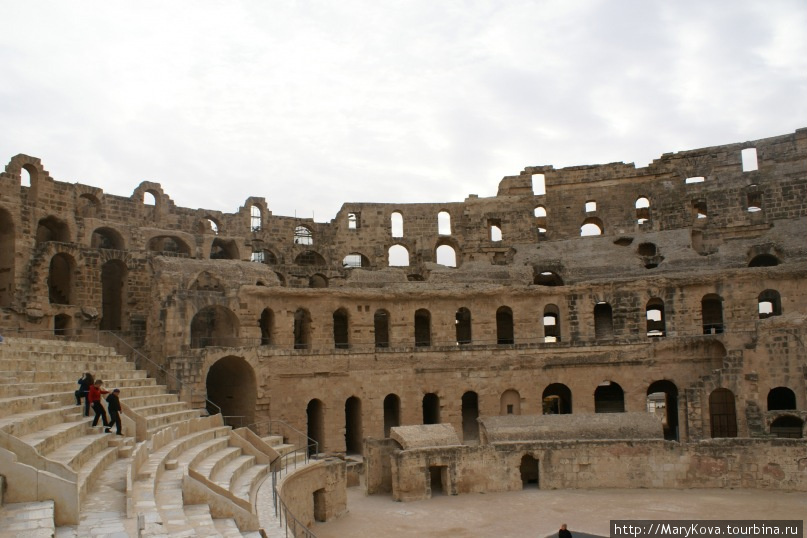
point(315, 414)
point(723, 413)
point(398, 256)
point(309, 258)
point(700, 209)
point(62, 323)
point(60, 279)
point(662, 400)
point(208, 282)
point(654, 314)
point(353, 221)
point(529, 472)
point(446, 255)
point(355, 260)
point(423, 329)
point(88, 206)
point(396, 224)
point(302, 329)
point(642, 210)
point(169, 246)
point(340, 329)
point(781, 399)
point(223, 250)
point(52, 229)
point(267, 324)
point(647, 249)
point(255, 218)
point(769, 304)
point(749, 159)
point(106, 238)
point(753, 199)
point(470, 412)
point(443, 223)
point(547, 278)
point(7, 266)
point(609, 398)
point(231, 385)
point(504, 326)
point(603, 321)
point(149, 199)
point(214, 326)
point(431, 409)
point(788, 427)
point(591, 226)
point(712, 314)
point(463, 326)
point(495, 226)
point(27, 175)
point(353, 426)
point(303, 236)
point(113, 282)
point(557, 400)
point(551, 322)
point(381, 328)
point(392, 413)
point(510, 403)
point(764, 260)
point(318, 281)
point(209, 224)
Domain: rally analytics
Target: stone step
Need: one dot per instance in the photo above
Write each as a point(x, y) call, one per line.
point(19, 375)
point(210, 465)
point(146, 403)
point(155, 423)
point(273, 440)
point(226, 475)
point(32, 519)
point(92, 469)
point(76, 452)
point(74, 368)
point(228, 528)
point(27, 422)
point(22, 389)
point(246, 485)
point(198, 516)
point(154, 407)
point(51, 437)
point(54, 346)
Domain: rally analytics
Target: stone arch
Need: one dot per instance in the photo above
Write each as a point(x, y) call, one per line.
point(470, 414)
point(769, 303)
point(303, 235)
point(62, 324)
point(232, 386)
point(224, 249)
point(207, 281)
point(557, 399)
point(51, 228)
point(654, 315)
point(113, 295)
point(255, 217)
point(88, 206)
point(431, 408)
point(592, 226)
point(310, 258)
point(510, 402)
point(463, 326)
point(609, 398)
point(528, 469)
point(642, 206)
point(169, 245)
point(315, 425)
point(392, 413)
point(267, 325)
point(318, 280)
point(546, 278)
point(341, 329)
point(302, 329)
point(603, 321)
point(444, 223)
point(7, 265)
point(381, 328)
point(788, 427)
point(107, 238)
point(446, 254)
point(423, 328)
point(712, 314)
point(354, 431)
point(764, 260)
point(781, 399)
point(663, 394)
point(398, 256)
point(551, 322)
point(215, 326)
point(723, 413)
point(396, 224)
point(60, 279)
point(504, 326)
point(355, 260)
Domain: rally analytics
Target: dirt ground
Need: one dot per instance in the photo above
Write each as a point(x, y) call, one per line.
point(539, 513)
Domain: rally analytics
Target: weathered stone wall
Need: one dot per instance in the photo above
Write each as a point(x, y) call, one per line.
point(297, 491)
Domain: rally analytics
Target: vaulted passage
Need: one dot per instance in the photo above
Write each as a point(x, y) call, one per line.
point(557, 399)
point(470, 412)
point(431, 409)
point(529, 471)
point(423, 328)
point(60, 279)
point(315, 415)
point(609, 398)
point(723, 413)
point(381, 328)
point(353, 426)
point(113, 282)
point(231, 386)
point(662, 399)
point(504, 326)
point(214, 326)
point(392, 413)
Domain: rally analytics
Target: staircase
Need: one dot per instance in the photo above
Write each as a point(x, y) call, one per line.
point(173, 472)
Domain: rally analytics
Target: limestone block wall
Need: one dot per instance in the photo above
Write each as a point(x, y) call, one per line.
point(316, 492)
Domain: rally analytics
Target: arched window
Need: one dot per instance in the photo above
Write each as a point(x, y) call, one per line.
point(149, 198)
point(463, 326)
point(354, 434)
point(444, 223)
point(712, 314)
point(753, 199)
point(398, 256)
point(310, 258)
point(113, 295)
point(381, 326)
point(255, 218)
point(303, 236)
point(106, 238)
point(749, 158)
point(654, 313)
point(510, 403)
point(60, 279)
point(642, 210)
point(446, 256)
point(609, 398)
point(723, 413)
point(470, 414)
point(214, 326)
point(603, 321)
point(318, 281)
point(267, 323)
point(396, 223)
point(392, 413)
point(540, 212)
point(354, 260)
point(591, 226)
point(551, 323)
point(431, 408)
point(302, 329)
point(788, 427)
point(764, 260)
point(353, 221)
point(340, 329)
point(769, 304)
point(662, 400)
point(557, 399)
point(423, 330)
point(781, 399)
point(52, 229)
point(495, 226)
point(223, 249)
point(504, 326)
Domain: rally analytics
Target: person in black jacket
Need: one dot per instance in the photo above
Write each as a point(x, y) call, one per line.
point(113, 406)
point(84, 390)
point(564, 532)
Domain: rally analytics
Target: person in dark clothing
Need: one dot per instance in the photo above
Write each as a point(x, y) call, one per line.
point(564, 532)
point(113, 406)
point(95, 401)
point(84, 384)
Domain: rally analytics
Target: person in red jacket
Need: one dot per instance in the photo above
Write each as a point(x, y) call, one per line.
point(95, 401)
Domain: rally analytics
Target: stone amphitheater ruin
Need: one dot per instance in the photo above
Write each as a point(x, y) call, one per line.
point(599, 326)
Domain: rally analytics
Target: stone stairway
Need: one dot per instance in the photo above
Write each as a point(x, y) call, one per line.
point(185, 475)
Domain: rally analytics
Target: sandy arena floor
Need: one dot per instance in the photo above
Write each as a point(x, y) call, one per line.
point(538, 513)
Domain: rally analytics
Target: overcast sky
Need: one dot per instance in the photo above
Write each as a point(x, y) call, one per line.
point(313, 103)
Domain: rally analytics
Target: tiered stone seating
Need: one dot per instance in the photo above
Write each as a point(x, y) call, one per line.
point(37, 408)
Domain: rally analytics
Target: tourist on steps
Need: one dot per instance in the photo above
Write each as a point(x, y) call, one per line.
point(84, 384)
point(95, 401)
point(113, 406)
